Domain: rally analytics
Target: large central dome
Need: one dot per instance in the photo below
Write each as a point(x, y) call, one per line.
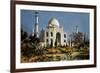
point(53, 22)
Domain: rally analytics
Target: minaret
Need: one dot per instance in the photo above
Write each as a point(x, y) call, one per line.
point(36, 32)
point(76, 29)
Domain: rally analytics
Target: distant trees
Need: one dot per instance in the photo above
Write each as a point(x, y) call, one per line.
point(26, 47)
point(30, 45)
point(24, 35)
point(79, 40)
point(38, 50)
point(34, 39)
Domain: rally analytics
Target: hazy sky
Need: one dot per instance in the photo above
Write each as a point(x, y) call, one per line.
point(68, 20)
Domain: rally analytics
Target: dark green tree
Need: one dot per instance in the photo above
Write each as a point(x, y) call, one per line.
point(77, 39)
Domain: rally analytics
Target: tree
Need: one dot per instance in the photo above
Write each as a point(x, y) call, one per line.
point(77, 39)
point(24, 35)
point(25, 44)
point(30, 45)
point(38, 50)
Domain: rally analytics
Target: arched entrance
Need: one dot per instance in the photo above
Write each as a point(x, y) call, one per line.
point(58, 39)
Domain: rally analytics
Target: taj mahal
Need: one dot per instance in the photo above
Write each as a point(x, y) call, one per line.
point(53, 35)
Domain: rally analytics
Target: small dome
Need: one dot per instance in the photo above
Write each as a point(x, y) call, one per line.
point(53, 22)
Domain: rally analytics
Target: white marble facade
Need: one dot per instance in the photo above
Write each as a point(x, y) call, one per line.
point(53, 35)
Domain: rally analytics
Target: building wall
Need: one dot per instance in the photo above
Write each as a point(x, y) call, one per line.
point(54, 32)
